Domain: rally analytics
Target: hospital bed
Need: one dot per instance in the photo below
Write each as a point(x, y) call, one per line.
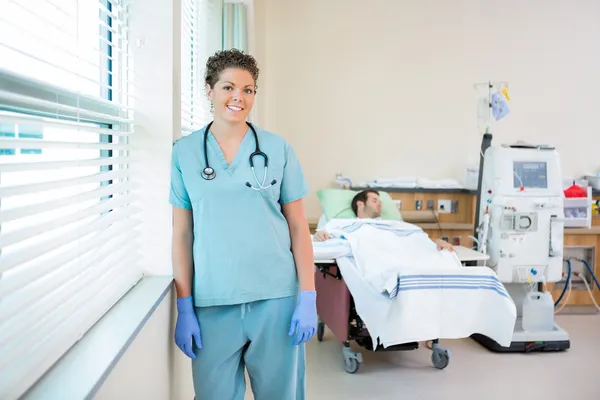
point(338, 310)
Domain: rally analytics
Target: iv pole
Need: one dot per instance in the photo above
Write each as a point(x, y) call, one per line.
point(486, 142)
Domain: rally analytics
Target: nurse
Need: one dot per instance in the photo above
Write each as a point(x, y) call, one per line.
point(242, 252)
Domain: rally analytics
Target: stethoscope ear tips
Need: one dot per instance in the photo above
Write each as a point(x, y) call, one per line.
point(274, 181)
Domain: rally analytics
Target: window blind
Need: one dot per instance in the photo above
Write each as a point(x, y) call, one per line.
point(67, 212)
point(201, 36)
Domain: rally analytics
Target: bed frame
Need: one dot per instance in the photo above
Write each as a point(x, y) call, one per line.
point(336, 310)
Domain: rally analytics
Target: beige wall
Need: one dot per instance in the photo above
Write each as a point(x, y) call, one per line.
point(153, 367)
point(384, 88)
point(144, 371)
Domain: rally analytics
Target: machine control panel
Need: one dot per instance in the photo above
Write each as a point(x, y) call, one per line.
point(530, 174)
point(520, 222)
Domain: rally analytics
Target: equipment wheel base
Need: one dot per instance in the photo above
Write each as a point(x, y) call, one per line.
point(352, 360)
point(440, 357)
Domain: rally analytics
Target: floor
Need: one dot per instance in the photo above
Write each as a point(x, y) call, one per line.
point(473, 373)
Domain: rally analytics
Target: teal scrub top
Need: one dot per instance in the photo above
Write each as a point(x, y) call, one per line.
point(242, 247)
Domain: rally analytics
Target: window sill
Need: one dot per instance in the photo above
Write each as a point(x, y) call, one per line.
point(92, 358)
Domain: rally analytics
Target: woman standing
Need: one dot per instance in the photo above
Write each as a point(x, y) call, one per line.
point(242, 252)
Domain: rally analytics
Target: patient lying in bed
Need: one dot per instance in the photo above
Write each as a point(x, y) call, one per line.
point(367, 204)
point(404, 289)
point(407, 291)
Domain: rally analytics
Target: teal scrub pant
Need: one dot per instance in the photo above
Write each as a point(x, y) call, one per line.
point(255, 336)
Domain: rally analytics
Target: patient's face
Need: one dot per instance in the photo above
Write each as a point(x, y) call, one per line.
point(373, 206)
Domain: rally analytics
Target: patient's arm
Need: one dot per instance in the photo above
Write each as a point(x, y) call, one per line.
point(443, 245)
point(321, 236)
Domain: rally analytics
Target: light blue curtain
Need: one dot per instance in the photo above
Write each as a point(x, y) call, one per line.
point(235, 27)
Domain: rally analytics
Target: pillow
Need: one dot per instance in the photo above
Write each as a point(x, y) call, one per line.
point(337, 203)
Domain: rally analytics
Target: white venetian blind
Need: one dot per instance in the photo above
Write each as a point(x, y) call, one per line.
point(201, 36)
point(67, 222)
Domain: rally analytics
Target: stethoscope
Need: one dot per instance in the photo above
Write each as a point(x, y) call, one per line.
point(209, 173)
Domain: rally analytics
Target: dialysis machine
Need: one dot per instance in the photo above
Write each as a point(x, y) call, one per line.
point(519, 224)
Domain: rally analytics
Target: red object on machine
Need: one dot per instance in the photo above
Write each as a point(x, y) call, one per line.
point(575, 191)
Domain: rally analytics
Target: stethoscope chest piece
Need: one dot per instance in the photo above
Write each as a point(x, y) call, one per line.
point(208, 173)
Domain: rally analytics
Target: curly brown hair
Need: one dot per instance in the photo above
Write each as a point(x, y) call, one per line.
point(232, 58)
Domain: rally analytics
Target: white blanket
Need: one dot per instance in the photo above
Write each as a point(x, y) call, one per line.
point(406, 290)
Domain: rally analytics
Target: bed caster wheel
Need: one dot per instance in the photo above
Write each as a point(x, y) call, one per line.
point(352, 360)
point(440, 358)
point(320, 331)
point(351, 365)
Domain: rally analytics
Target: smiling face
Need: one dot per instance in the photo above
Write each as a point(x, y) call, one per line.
point(232, 95)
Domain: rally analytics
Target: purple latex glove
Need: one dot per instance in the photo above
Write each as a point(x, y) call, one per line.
point(304, 320)
point(187, 327)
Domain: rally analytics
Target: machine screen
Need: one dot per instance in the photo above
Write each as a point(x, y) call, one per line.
point(530, 174)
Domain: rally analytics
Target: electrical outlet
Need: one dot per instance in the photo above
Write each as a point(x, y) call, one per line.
point(398, 204)
point(430, 205)
point(454, 206)
point(444, 206)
